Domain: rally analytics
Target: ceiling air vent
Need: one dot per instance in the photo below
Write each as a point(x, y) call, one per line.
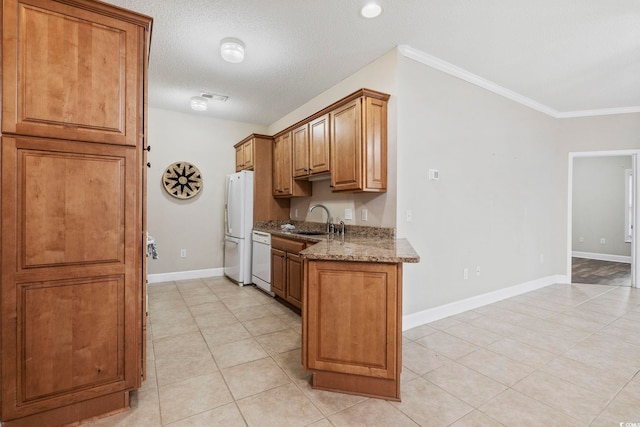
point(214, 97)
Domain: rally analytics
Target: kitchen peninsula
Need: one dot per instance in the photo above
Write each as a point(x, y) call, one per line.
point(352, 309)
point(348, 287)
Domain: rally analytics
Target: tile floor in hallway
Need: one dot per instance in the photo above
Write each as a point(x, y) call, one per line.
point(563, 355)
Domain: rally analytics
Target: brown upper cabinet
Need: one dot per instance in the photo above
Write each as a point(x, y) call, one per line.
point(48, 47)
point(359, 145)
point(283, 183)
point(311, 148)
point(244, 155)
point(256, 152)
point(348, 139)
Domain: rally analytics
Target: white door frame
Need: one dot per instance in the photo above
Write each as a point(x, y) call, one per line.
point(635, 244)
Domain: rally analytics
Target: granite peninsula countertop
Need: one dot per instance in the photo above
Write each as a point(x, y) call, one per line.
point(359, 244)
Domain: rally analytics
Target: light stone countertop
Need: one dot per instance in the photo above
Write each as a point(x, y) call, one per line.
point(365, 244)
point(362, 249)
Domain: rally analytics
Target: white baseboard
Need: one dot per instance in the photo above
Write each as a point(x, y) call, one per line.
point(184, 275)
point(602, 257)
point(411, 320)
point(436, 313)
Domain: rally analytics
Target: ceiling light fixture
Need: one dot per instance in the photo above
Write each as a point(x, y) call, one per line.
point(232, 50)
point(371, 10)
point(198, 103)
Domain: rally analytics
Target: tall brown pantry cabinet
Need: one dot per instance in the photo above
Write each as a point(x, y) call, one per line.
point(72, 173)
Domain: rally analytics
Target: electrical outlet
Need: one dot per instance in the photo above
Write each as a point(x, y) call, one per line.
point(364, 214)
point(296, 213)
point(465, 273)
point(581, 239)
point(348, 214)
point(603, 241)
point(409, 216)
point(183, 253)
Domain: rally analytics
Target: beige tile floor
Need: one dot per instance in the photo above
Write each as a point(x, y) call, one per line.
point(564, 355)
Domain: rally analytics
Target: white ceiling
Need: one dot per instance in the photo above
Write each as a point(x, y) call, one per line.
point(568, 55)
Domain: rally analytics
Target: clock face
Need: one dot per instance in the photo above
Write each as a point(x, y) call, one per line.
point(182, 180)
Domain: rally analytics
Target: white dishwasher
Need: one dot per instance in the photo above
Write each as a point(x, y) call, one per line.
point(261, 261)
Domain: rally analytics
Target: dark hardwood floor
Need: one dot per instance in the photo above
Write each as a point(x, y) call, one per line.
point(595, 272)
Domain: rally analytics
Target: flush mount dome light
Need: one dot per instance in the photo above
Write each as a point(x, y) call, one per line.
point(371, 10)
point(198, 103)
point(232, 50)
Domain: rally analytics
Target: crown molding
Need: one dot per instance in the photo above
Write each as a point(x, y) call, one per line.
point(601, 112)
point(447, 67)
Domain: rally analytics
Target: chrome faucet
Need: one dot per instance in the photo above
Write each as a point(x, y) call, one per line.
point(326, 210)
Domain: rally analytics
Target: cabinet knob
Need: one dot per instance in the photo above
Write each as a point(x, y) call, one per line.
point(148, 148)
point(148, 164)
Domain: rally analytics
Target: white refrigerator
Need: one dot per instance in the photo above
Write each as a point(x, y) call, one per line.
point(238, 224)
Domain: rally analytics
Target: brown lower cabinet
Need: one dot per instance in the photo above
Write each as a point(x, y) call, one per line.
point(287, 269)
point(352, 327)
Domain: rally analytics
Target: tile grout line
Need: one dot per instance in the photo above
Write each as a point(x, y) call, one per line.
point(616, 394)
point(538, 369)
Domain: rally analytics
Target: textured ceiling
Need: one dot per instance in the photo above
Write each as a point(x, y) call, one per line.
point(570, 55)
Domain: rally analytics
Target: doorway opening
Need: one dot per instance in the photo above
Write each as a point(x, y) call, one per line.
point(601, 243)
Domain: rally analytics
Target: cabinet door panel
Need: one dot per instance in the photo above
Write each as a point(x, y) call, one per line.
point(346, 150)
point(72, 327)
point(71, 335)
point(278, 272)
point(319, 145)
point(375, 141)
point(300, 151)
point(72, 74)
point(247, 154)
point(294, 279)
point(352, 318)
point(239, 158)
point(282, 166)
point(72, 204)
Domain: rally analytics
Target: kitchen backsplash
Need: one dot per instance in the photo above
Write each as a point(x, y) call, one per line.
point(380, 207)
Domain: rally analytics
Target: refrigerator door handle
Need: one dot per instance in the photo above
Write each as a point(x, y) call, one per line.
point(226, 207)
point(231, 241)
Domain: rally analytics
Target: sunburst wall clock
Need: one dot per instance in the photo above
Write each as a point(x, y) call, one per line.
point(182, 180)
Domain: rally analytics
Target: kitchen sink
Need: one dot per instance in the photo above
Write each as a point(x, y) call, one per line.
point(309, 232)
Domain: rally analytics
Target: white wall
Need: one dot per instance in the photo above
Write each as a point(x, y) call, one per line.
point(598, 208)
point(501, 202)
point(380, 75)
point(592, 134)
point(600, 133)
point(195, 224)
point(497, 204)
